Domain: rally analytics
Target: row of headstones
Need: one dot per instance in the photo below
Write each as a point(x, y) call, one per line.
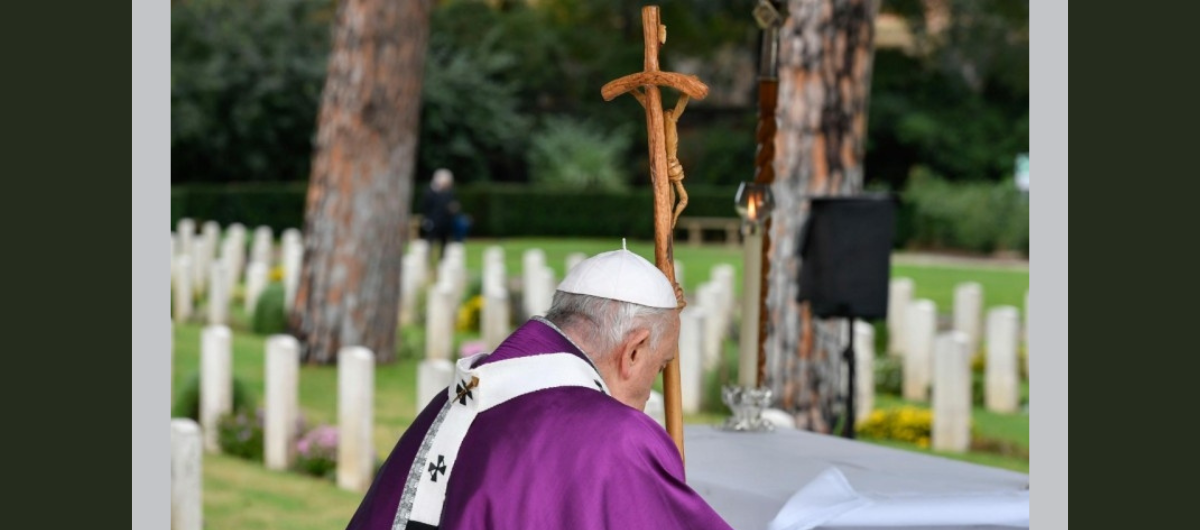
point(356, 389)
point(196, 266)
point(943, 360)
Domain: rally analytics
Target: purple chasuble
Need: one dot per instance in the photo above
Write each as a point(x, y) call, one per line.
point(567, 457)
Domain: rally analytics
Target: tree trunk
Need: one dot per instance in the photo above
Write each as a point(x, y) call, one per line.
point(359, 192)
point(825, 55)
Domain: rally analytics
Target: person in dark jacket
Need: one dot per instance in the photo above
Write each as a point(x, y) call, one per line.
point(439, 207)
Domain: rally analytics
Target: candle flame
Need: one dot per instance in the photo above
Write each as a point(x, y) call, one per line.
point(751, 210)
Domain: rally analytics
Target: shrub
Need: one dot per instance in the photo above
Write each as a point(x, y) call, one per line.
point(468, 314)
point(187, 400)
point(241, 434)
point(270, 317)
point(904, 424)
point(578, 156)
point(980, 217)
point(889, 375)
point(316, 451)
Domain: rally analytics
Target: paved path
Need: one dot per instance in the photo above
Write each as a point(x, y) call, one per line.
point(951, 260)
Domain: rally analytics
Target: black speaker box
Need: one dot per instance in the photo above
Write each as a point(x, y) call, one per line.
point(845, 247)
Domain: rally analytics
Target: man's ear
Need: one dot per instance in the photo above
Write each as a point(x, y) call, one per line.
point(633, 351)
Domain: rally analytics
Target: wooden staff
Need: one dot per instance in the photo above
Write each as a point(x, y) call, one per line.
point(648, 81)
point(769, 19)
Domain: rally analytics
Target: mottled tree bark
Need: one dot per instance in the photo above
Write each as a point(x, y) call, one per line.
point(361, 182)
point(826, 51)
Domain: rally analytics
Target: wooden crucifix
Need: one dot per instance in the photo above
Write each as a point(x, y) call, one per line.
point(665, 172)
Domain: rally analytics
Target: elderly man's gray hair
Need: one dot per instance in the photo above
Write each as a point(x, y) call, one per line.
point(604, 323)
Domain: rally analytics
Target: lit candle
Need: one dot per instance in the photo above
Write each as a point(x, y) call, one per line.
point(751, 284)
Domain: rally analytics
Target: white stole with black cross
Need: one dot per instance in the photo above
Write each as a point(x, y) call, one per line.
point(476, 390)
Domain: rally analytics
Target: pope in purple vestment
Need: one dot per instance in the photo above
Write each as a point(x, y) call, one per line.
point(569, 457)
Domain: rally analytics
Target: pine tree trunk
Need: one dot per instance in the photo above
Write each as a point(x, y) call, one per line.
point(826, 51)
point(359, 192)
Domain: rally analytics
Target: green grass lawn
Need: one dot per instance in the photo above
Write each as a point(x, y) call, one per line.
point(242, 494)
point(1000, 286)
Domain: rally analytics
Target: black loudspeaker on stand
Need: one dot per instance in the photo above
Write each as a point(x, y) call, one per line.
point(845, 249)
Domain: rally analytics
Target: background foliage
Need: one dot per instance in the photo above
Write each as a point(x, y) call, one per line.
point(511, 95)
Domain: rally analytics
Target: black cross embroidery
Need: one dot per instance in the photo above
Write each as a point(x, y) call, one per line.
point(598, 385)
point(464, 392)
point(439, 468)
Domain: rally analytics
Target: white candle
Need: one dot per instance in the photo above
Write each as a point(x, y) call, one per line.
point(751, 284)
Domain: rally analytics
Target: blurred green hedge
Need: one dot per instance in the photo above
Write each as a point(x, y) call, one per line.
point(496, 210)
point(933, 214)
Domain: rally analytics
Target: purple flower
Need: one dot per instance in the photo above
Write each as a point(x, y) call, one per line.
point(472, 348)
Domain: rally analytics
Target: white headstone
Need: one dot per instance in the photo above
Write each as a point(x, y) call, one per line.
point(495, 276)
point(211, 233)
point(411, 283)
point(216, 381)
point(691, 359)
point(186, 231)
point(678, 272)
point(293, 255)
point(455, 251)
point(532, 263)
point(187, 477)
point(655, 408)
point(1026, 334)
point(493, 254)
point(900, 293)
point(419, 247)
point(864, 360)
point(573, 259)
point(439, 322)
point(454, 271)
point(433, 376)
point(724, 275)
point(236, 238)
point(918, 357)
point(496, 317)
point(218, 294)
point(1002, 380)
point(708, 298)
point(183, 288)
point(952, 393)
point(261, 249)
point(257, 276)
point(200, 264)
point(282, 406)
point(968, 313)
point(546, 284)
point(356, 418)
